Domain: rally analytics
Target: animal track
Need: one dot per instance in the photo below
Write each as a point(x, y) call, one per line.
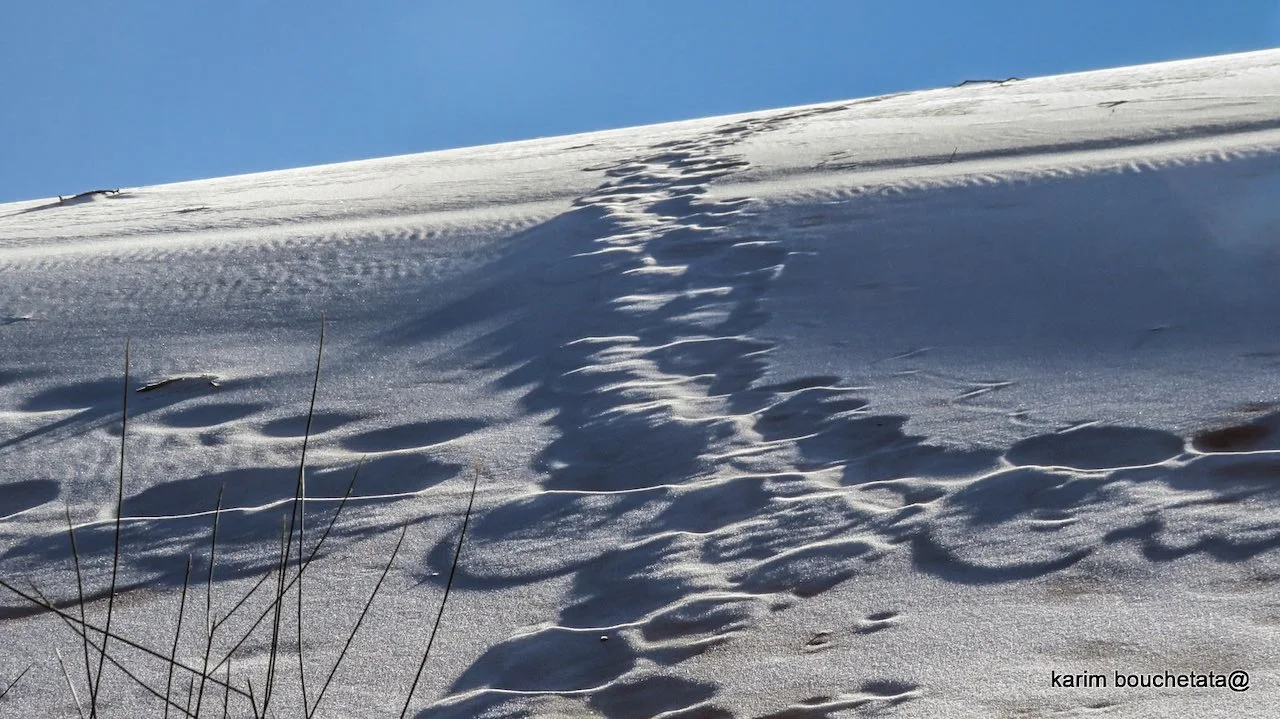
point(877, 622)
point(210, 415)
point(419, 435)
point(81, 395)
point(1237, 438)
point(871, 698)
point(662, 414)
point(819, 642)
point(802, 383)
point(21, 496)
point(893, 690)
point(1097, 447)
point(296, 425)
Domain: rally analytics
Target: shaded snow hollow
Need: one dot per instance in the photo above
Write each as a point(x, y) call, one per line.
point(894, 406)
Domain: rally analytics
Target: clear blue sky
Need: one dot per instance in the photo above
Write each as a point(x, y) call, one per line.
point(107, 94)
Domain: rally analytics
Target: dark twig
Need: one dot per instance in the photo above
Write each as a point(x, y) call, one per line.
point(14, 683)
point(75, 556)
point(67, 619)
point(253, 703)
point(88, 193)
point(262, 580)
point(989, 82)
point(296, 519)
point(115, 557)
point(351, 637)
point(310, 558)
point(209, 627)
point(278, 605)
point(226, 695)
point(191, 685)
point(453, 570)
point(82, 627)
point(177, 634)
point(301, 504)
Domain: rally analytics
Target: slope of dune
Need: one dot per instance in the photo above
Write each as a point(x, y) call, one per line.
point(900, 406)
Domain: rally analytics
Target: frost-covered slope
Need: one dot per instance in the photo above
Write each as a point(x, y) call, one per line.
point(894, 405)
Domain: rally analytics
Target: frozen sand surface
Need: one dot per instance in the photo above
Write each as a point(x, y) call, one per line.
point(894, 405)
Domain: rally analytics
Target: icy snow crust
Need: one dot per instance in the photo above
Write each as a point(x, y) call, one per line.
point(890, 406)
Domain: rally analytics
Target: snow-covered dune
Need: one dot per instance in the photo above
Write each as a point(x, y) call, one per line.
point(900, 406)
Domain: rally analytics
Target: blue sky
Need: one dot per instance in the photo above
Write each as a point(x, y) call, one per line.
point(113, 94)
